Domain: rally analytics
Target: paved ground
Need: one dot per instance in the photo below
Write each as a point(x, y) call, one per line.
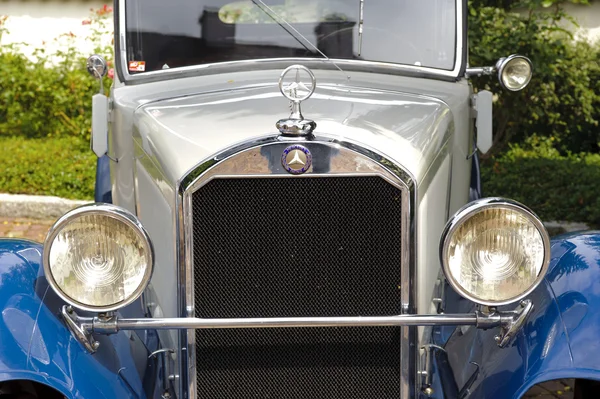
point(24, 228)
point(552, 390)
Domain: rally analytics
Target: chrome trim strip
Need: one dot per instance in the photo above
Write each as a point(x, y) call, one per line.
point(186, 349)
point(465, 213)
point(356, 160)
point(114, 212)
point(279, 63)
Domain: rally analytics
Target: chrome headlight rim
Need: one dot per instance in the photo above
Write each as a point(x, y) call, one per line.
point(104, 210)
point(503, 63)
point(471, 209)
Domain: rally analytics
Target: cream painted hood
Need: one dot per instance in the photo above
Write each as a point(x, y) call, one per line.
point(179, 133)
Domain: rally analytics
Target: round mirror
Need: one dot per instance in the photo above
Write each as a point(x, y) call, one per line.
point(514, 72)
point(96, 66)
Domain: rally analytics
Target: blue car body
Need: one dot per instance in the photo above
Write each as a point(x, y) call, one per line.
point(559, 340)
point(36, 345)
point(102, 188)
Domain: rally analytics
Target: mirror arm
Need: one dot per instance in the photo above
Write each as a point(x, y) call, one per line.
point(97, 67)
point(480, 71)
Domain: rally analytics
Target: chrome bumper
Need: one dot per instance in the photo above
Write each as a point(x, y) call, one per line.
point(509, 322)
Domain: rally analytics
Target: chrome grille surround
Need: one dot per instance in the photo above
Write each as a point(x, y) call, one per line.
point(248, 160)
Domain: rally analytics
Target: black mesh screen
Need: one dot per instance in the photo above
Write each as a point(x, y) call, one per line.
point(291, 247)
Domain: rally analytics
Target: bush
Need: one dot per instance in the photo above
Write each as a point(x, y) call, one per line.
point(555, 186)
point(53, 166)
point(50, 95)
point(563, 99)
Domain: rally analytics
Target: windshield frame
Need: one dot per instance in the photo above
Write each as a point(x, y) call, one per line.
point(460, 59)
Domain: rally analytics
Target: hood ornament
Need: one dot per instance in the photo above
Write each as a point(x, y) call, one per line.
point(300, 89)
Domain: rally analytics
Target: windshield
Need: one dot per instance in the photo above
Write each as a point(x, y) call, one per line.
point(176, 33)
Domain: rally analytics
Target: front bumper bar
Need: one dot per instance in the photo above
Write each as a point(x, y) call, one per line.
point(509, 322)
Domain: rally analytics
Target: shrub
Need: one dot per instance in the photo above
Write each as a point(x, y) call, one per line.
point(563, 99)
point(555, 186)
point(62, 167)
point(50, 95)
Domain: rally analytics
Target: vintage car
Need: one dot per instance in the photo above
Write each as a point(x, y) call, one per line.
point(289, 206)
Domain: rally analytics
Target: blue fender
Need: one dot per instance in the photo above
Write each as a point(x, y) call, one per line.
point(35, 344)
point(559, 340)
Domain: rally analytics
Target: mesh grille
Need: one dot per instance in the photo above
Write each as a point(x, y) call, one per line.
point(292, 247)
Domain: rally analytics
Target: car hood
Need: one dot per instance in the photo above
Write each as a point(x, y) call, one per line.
point(179, 133)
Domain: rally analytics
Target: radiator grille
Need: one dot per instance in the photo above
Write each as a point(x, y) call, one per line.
point(292, 247)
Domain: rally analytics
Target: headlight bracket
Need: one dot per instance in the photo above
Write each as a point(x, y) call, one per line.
point(80, 331)
point(513, 322)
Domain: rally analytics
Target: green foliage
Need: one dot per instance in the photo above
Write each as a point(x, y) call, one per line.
point(546, 136)
point(52, 166)
point(563, 99)
point(555, 186)
point(527, 4)
point(45, 115)
point(50, 94)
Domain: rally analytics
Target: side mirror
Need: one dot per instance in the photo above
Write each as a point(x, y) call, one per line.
point(514, 72)
point(97, 67)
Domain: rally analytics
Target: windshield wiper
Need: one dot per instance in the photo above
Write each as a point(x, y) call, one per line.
point(278, 23)
point(275, 17)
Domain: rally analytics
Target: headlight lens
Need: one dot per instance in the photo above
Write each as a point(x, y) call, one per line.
point(495, 251)
point(98, 257)
point(515, 72)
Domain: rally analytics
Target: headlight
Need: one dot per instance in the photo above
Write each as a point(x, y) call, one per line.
point(514, 72)
point(98, 257)
point(494, 251)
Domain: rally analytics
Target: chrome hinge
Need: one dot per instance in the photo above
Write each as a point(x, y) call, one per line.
point(426, 368)
point(473, 108)
point(438, 299)
point(111, 106)
point(166, 357)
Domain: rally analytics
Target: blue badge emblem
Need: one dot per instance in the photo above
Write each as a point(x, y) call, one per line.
point(296, 159)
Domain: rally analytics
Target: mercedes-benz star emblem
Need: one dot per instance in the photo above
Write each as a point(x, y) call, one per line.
point(297, 90)
point(296, 159)
point(301, 88)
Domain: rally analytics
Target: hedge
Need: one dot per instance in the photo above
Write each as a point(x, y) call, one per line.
point(563, 98)
point(53, 166)
point(556, 187)
point(45, 112)
point(45, 115)
point(50, 95)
